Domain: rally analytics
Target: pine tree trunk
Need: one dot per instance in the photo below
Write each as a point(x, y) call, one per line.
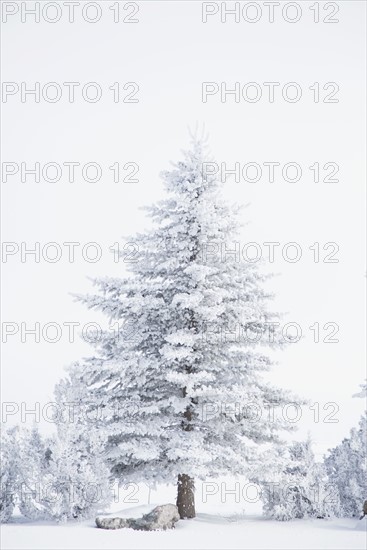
point(185, 496)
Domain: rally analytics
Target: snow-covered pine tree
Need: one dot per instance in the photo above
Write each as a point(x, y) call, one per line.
point(346, 466)
point(175, 382)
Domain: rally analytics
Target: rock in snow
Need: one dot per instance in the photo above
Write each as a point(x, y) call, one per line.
point(160, 518)
point(111, 523)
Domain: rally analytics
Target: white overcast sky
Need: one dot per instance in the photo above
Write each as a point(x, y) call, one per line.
point(169, 53)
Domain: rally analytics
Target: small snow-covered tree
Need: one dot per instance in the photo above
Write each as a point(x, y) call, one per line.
point(194, 322)
point(298, 486)
point(34, 460)
point(8, 475)
point(71, 488)
point(58, 478)
point(80, 477)
point(25, 453)
point(346, 466)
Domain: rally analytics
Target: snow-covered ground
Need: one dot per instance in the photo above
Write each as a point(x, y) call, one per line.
point(218, 525)
point(207, 530)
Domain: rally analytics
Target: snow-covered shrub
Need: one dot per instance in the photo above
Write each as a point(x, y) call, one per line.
point(363, 391)
point(6, 496)
point(299, 487)
point(347, 470)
